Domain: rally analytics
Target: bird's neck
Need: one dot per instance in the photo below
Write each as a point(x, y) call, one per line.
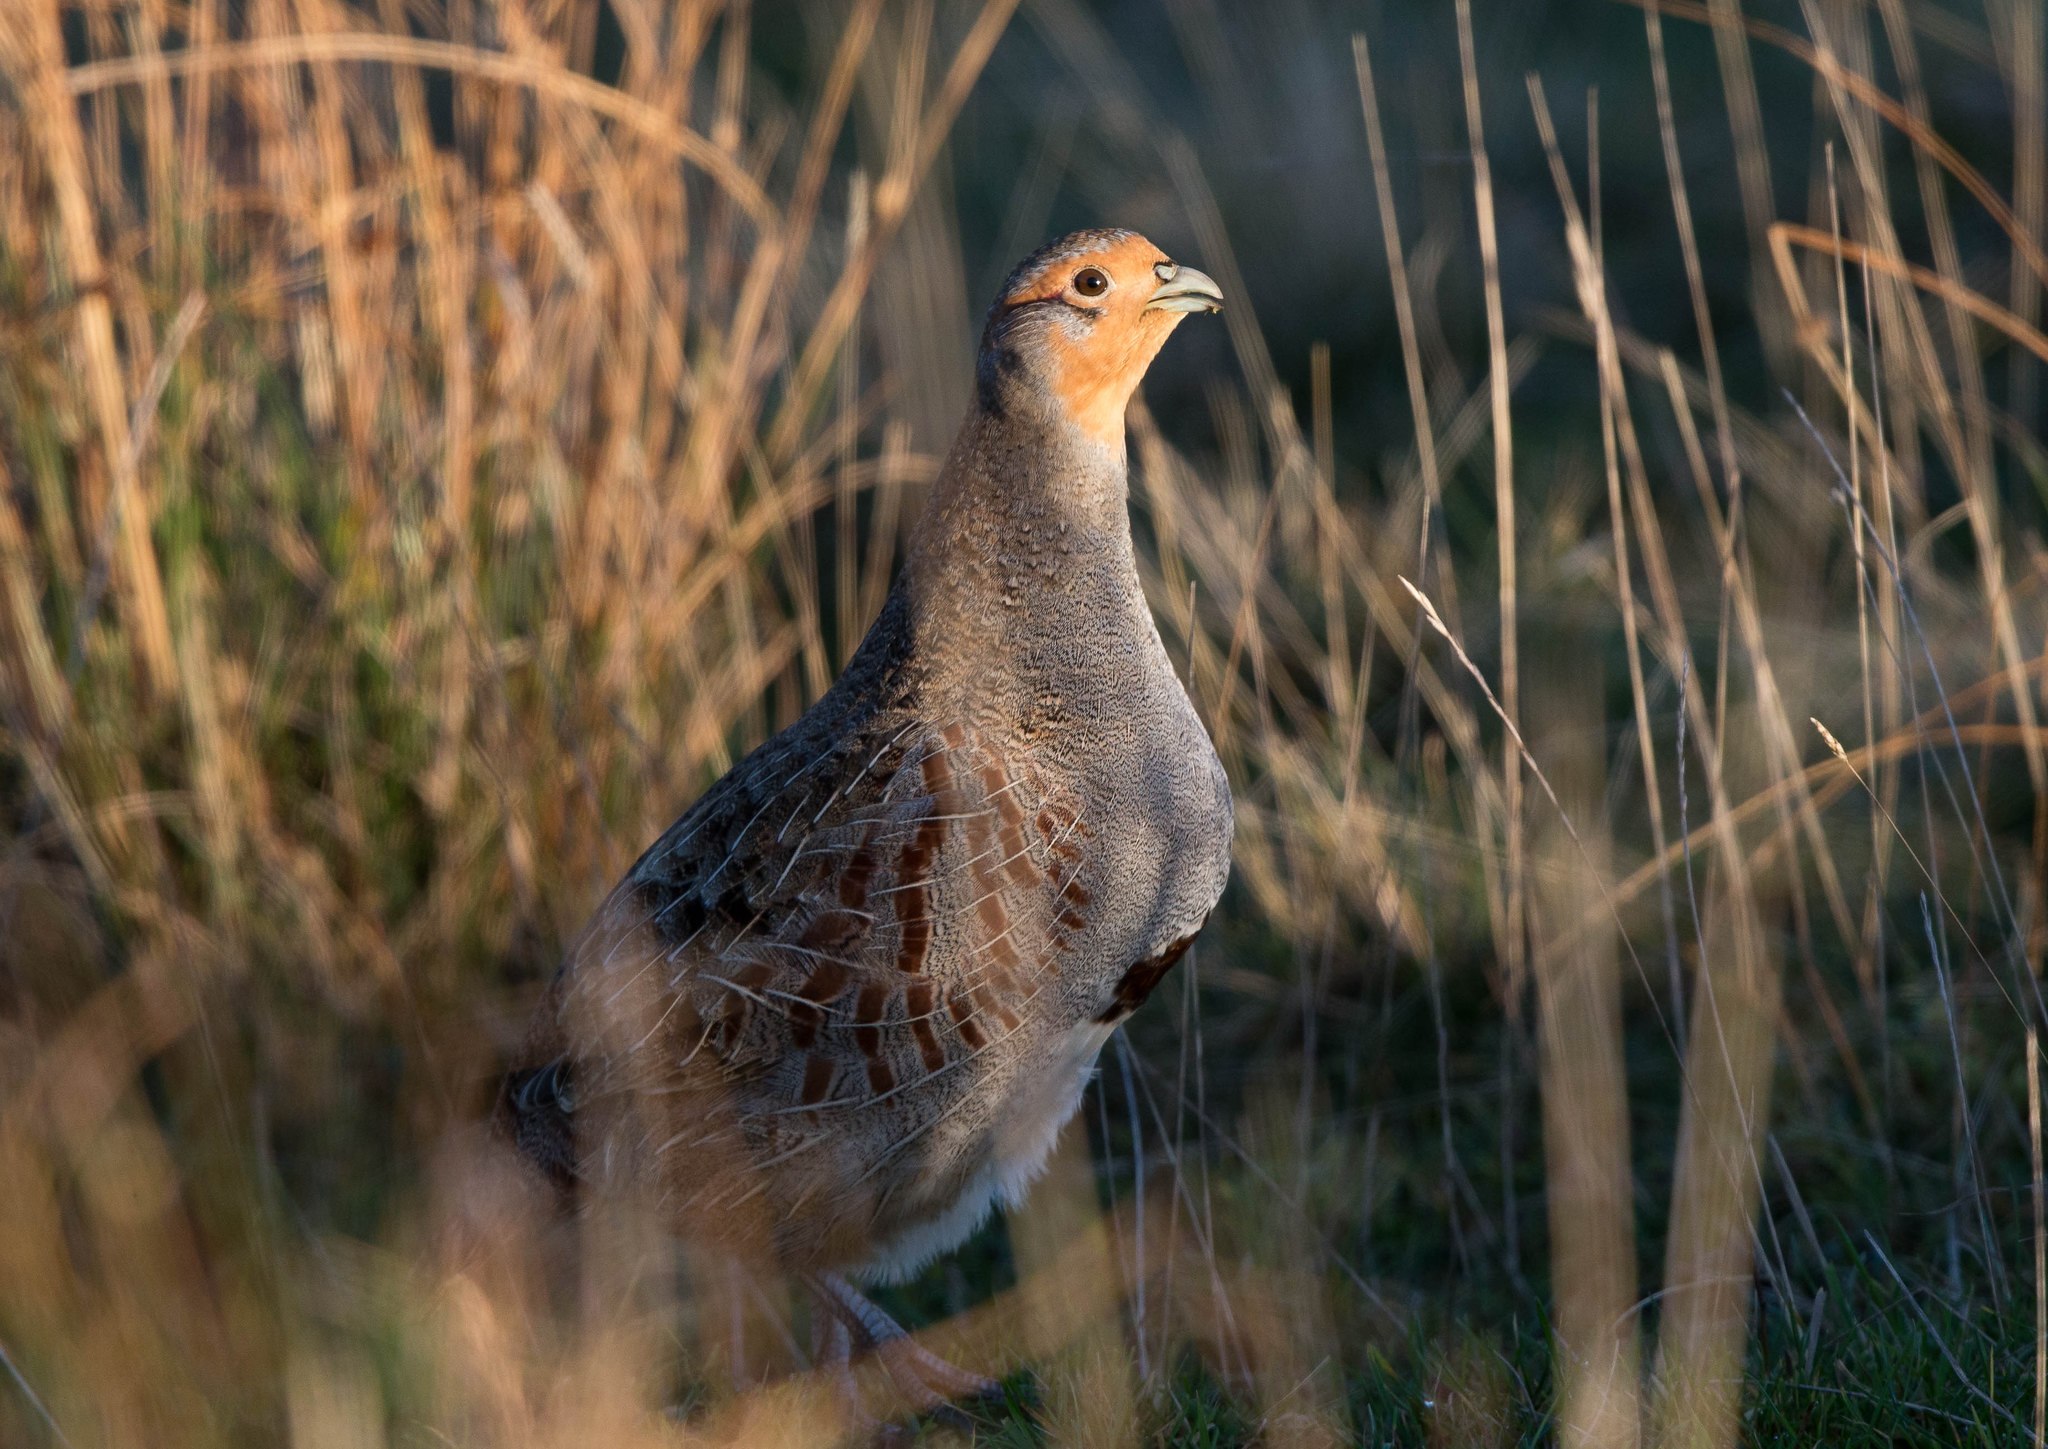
point(1025, 462)
point(1026, 530)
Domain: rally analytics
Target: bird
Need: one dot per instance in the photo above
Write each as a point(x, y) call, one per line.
point(840, 1011)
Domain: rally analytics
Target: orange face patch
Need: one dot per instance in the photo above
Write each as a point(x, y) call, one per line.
point(1125, 262)
point(1095, 371)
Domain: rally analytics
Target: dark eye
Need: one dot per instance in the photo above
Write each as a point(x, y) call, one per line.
point(1090, 282)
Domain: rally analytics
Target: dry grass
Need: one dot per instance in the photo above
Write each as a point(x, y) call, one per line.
point(434, 443)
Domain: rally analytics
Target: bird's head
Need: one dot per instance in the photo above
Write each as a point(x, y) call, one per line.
point(1078, 323)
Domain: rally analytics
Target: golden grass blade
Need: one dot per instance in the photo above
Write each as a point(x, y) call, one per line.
point(1785, 235)
point(1511, 939)
point(34, 676)
point(1617, 430)
point(550, 80)
point(1588, 1181)
point(1404, 299)
point(1703, 1327)
point(53, 118)
point(2020, 27)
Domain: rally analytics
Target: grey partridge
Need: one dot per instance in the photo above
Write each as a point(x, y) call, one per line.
point(843, 1007)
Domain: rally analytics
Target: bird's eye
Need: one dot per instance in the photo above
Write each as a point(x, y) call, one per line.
point(1091, 282)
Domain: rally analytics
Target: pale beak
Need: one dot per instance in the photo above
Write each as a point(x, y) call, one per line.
point(1183, 289)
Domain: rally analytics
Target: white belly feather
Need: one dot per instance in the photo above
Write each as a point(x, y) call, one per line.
point(1041, 1105)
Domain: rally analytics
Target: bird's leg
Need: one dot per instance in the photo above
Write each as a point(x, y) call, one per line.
point(832, 1358)
point(926, 1379)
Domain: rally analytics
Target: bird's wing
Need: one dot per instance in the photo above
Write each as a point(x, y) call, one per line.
point(844, 925)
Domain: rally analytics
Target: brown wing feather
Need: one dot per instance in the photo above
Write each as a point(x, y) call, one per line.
point(848, 937)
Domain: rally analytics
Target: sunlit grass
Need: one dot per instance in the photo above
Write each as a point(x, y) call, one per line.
point(434, 446)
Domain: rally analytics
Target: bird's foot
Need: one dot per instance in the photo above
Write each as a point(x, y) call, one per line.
point(832, 1360)
point(931, 1384)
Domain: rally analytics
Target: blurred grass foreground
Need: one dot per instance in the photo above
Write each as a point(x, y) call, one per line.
point(436, 439)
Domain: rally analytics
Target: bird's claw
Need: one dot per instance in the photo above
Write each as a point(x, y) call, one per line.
point(932, 1386)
